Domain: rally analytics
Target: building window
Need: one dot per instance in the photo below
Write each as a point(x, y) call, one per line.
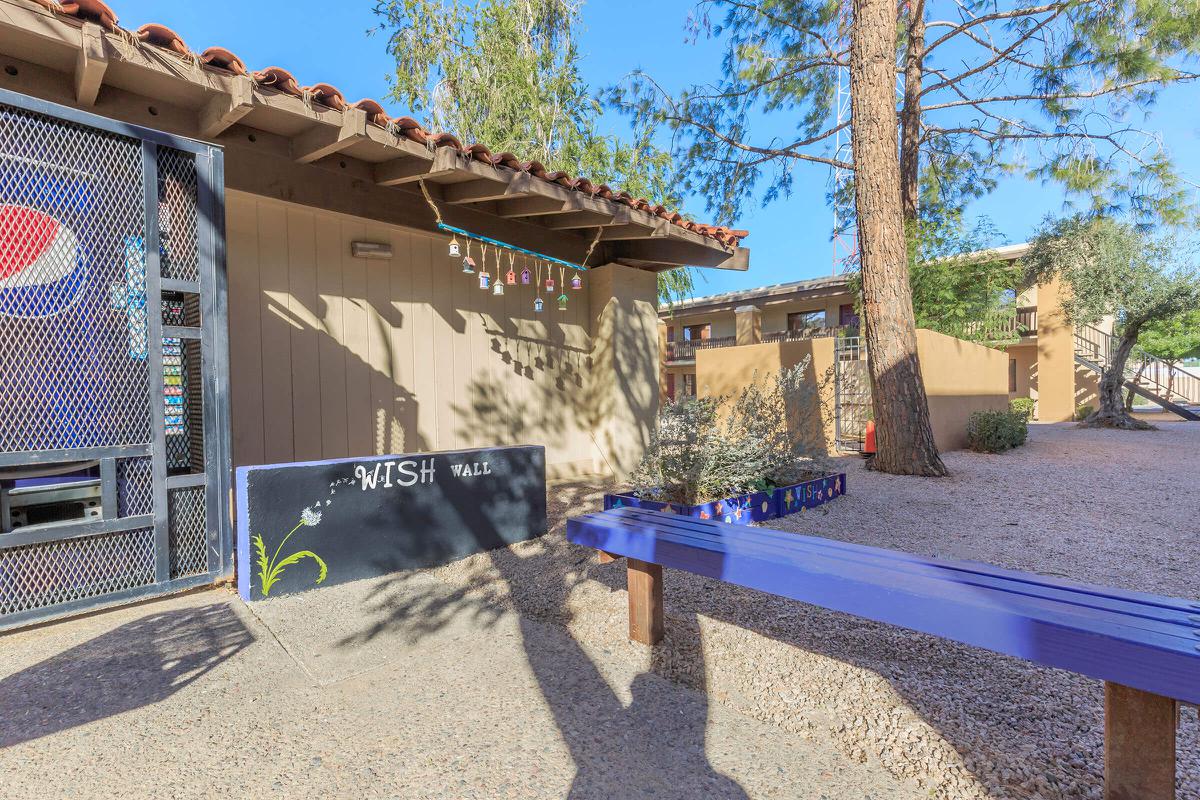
point(846, 316)
point(1012, 375)
point(689, 384)
point(670, 385)
point(670, 333)
point(695, 333)
point(803, 320)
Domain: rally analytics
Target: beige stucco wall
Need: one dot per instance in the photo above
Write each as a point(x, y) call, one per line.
point(725, 371)
point(623, 390)
point(334, 356)
point(1056, 357)
point(960, 378)
point(1026, 356)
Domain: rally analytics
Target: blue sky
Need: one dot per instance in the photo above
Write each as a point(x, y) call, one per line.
point(789, 239)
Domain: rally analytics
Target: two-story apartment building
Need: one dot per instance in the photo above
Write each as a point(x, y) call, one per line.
point(1039, 345)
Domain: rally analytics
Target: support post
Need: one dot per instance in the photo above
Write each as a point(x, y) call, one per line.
point(1139, 744)
point(748, 324)
point(645, 601)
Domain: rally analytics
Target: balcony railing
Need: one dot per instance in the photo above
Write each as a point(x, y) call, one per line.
point(808, 333)
point(1005, 327)
point(685, 350)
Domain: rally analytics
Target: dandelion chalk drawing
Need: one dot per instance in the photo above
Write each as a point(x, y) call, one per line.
point(313, 524)
point(270, 568)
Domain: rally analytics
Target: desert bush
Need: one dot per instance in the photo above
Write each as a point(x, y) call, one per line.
point(706, 449)
point(1084, 411)
point(996, 431)
point(1023, 406)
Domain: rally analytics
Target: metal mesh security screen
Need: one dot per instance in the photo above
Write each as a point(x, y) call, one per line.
point(189, 552)
point(52, 573)
point(73, 369)
point(177, 216)
point(113, 436)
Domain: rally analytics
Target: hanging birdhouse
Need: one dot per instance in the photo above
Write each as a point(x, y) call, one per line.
point(576, 282)
point(537, 305)
point(549, 284)
point(454, 248)
point(485, 280)
point(469, 265)
point(498, 289)
point(525, 277)
point(510, 278)
point(562, 302)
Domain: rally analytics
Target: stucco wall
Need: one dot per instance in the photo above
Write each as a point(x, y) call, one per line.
point(623, 391)
point(335, 356)
point(1026, 356)
point(960, 378)
point(725, 371)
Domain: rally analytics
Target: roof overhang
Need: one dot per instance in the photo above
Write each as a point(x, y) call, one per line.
point(282, 146)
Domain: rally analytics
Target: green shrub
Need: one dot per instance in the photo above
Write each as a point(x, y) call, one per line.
point(1083, 412)
point(996, 431)
point(1023, 406)
point(706, 449)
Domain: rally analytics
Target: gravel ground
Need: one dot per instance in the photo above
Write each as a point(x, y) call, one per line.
point(509, 674)
point(1111, 507)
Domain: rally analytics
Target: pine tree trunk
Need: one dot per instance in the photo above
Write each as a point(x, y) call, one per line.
point(1112, 413)
point(904, 436)
point(910, 113)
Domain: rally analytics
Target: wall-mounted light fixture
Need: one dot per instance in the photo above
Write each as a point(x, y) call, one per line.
point(370, 250)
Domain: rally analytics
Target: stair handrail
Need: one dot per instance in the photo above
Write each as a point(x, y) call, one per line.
point(1099, 345)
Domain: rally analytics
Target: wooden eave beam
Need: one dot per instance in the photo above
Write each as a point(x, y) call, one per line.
point(619, 233)
point(582, 219)
point(226, 109)
point(325, 140)
point(90, 64)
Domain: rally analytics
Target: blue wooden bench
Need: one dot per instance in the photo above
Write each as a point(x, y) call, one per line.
point(1146, 648)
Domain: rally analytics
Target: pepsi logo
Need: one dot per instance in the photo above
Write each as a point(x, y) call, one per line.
point(41, 267)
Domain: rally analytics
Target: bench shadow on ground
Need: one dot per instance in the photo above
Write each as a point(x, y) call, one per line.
point(601, 732)
point(131, 666)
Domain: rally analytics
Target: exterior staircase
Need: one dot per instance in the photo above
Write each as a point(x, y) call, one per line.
point(1176, 390)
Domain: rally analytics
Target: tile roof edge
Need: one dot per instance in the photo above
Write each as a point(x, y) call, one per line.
point(280, 79)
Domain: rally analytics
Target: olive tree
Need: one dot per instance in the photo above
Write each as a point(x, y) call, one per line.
point(1115, 268)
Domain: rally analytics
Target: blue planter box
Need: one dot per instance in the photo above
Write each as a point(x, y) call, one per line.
point(747, 508)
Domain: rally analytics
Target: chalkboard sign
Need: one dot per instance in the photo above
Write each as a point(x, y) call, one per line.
point(325, 522)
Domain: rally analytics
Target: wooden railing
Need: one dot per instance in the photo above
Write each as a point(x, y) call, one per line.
point(806, 333)
point(685, 350)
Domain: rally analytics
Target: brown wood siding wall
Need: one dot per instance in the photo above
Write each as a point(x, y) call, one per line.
point(334, 356)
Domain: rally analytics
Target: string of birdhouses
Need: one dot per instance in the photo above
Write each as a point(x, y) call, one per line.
point(487, 245)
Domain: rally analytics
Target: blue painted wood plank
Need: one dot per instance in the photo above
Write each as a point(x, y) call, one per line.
point(970, 573)
point(1061, 635)
point(1171, 635)
point(1173, 606)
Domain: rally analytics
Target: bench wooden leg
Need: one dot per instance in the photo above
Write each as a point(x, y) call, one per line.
point(645, 601)
point(1139, 744)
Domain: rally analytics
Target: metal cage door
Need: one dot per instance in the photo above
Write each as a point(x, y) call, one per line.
point(114, 442)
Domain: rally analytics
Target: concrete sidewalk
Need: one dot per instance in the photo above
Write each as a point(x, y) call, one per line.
point(406, 687)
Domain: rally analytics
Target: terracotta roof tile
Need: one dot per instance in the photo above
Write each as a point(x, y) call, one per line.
point(280, 80)
point(326, 95)
point(221, 58)
point(162, 36)
point(375, 113)
point(92, 11)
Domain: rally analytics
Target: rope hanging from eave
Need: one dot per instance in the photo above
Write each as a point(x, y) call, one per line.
point(442, 226)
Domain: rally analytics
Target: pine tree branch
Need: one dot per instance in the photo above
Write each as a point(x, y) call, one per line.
point(1178, 77)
